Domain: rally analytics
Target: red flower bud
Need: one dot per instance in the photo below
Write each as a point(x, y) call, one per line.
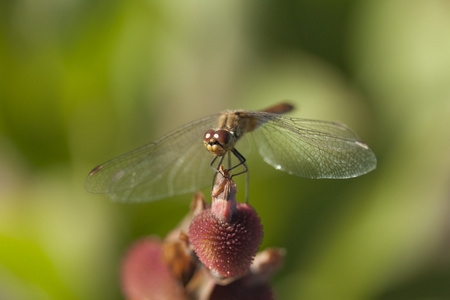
point(145, 275)
point(226, 236)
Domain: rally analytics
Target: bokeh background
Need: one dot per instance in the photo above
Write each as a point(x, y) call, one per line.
point(82, 81)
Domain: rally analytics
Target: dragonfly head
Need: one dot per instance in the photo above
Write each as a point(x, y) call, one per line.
point(218, 142)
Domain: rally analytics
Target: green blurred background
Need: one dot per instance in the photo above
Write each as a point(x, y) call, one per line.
point(82, 81)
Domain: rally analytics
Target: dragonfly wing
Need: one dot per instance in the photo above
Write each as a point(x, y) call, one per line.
point(175, 164)
point(310, 148)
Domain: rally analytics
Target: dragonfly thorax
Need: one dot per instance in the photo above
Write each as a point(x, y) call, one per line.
point(219, 142)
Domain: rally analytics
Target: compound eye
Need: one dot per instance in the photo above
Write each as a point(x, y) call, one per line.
point(222, 136)
point(208, 135)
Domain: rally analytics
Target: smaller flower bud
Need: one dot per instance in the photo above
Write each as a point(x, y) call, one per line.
point(145, 275)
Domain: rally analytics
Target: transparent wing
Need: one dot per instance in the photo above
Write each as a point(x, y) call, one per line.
point(309, 148)
point(175, 164)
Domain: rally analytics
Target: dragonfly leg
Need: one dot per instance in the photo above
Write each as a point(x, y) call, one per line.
point(246, 186)
point(216, 169)
point(212, 162)
point(242, 161)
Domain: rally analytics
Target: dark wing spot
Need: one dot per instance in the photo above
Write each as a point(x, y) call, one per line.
point(95, 170)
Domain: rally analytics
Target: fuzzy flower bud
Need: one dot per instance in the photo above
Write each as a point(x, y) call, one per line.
point(227, 235)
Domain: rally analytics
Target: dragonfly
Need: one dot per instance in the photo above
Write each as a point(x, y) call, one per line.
point(179, 162)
